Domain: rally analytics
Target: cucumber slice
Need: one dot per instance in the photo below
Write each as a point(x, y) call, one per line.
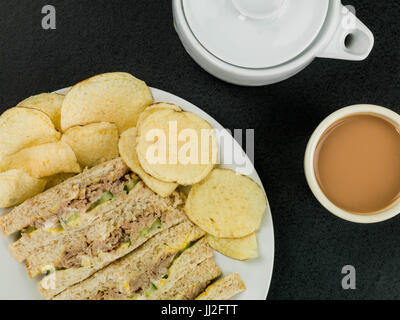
point(71, 218)
point(29, 230)
point(156, 224)
point(106, 196)
point(150, 289)
point(131, 184)
point(146, 230)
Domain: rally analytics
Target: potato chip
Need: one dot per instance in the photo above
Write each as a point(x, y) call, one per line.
point(23, 128)
point(56, 179)
point(94, 143)
point(127, 150)
point(238, 248)
point(226, 204)
point(43, 161)
point(154, 108)
point(111, 97)
point(16, 186)
point(176, 146)
point(49, 103)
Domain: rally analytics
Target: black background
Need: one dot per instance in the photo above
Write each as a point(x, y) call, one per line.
point(312, 245)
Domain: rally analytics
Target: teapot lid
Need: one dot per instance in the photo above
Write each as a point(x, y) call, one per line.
point(255, 33)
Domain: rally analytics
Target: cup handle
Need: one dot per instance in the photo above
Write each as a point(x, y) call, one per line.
point(352, 40)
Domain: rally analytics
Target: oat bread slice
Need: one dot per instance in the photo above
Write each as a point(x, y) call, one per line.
point(134, 273)
point(71, 194)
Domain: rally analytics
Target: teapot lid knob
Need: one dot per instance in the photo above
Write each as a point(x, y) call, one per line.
point(260, 9)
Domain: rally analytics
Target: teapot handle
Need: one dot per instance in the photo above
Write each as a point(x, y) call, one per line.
point(352, 40)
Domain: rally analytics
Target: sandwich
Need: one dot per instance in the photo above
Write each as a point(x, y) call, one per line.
point(175, 264)
point(82, 225)
point(104, 235)
point(224, 288)
point(76, 194)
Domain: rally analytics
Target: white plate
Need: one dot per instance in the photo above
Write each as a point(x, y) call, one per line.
point(256, 274)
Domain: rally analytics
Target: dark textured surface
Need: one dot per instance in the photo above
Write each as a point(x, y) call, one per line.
point(138, 37)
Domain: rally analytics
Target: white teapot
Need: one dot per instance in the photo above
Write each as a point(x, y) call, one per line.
point(260, 42)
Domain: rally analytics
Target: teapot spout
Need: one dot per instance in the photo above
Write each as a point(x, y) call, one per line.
point(352, 40)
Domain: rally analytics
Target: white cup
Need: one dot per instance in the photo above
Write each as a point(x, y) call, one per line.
point(382, 215)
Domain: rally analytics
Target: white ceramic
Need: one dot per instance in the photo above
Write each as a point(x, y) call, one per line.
point(260, 9)
point(257, 273)
point(260, 42)
point(382, 215)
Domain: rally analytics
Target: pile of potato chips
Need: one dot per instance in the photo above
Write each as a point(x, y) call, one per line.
point(48, 138)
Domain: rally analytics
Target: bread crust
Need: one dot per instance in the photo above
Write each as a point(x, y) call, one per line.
point(224, 288)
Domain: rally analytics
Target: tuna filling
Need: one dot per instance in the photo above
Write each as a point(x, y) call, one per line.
point(128, 233)
point(86, 200)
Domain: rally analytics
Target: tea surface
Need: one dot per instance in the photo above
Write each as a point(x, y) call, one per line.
point(357, 163)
